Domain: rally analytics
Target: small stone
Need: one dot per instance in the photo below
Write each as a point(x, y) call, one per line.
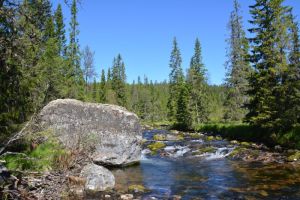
point(107, 196)
point(97, 178)
point(177, 197)
point(127, 197)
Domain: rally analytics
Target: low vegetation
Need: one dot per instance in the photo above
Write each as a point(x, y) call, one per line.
point(248, 133)
point(44, 156)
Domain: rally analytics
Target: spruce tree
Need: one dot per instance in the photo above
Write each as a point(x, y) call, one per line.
point(73, 72)
point(60, 30)
point(291, 116)
point(118, 83)
point(51, 65)
point(183, 115)
point(103, 88)
point(268, 58)
point(175, 79)
point(12, 99)
point(238, 68)
point(197, 86)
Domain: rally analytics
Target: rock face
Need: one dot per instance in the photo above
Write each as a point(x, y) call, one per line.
point(98, 178)
point(110, 133)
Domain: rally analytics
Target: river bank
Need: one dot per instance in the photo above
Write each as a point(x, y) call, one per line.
point(184, 165)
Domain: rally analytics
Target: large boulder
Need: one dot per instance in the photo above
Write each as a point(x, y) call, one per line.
point(97, 178)
point(110, 133)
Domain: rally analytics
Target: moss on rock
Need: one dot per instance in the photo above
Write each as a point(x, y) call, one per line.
point(156, 146)
point(195, 135)
point(159, 137)
point(294, 157)
point(210, 138)
point(136, 188)
point(245, 144)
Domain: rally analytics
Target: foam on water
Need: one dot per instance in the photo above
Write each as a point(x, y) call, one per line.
point(220, 153)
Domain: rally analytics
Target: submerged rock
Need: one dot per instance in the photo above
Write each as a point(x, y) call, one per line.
point(98, 178)
point(111, 134)
point(255, 155)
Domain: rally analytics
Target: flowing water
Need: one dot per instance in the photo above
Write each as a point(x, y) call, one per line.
point(179, 171)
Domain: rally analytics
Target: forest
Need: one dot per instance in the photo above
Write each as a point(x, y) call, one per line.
point(41, 63)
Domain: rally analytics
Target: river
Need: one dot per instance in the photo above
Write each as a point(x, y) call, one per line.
point(176, 170)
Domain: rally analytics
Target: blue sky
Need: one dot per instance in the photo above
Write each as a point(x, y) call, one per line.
point(143, 30)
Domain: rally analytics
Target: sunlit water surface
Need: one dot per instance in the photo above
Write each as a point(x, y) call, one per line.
point(211, 177)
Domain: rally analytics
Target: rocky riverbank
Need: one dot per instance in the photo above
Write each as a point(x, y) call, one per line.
point(162, 144)
point(203, 144)
point(71, 144)
point(82, 150)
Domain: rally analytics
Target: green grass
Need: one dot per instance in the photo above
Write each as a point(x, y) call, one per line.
point(241, 132)
point(42, 158)
point(292, 138)
point(247, 133)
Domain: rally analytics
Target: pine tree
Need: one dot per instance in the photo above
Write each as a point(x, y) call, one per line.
point(12, 101)
point(154, 107)
point(291, 116)
point(268, 57)
point(73, 72)
point(175, 79)
point(103, 88)
point(238, 68)
point(36, 24)
point(108, 75)
point(50, 64)
point(197, 86)
point(183, 115)
point(119, 81)
point(60, 30)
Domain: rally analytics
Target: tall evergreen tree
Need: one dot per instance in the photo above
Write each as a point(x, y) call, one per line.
point(12, 99)
point(175, 79)
point(60, 30)
point(74, 72)
point(183, 115)
point(119, 80)
point(94, 91)
point(268, 58)
point(50, 64)
point(197, 86)
point(103, 88)
point(238, 68)
point(292, 78)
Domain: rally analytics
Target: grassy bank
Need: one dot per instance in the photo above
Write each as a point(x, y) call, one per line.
point(246, 132)
point(45, 155)
point(243, 132)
